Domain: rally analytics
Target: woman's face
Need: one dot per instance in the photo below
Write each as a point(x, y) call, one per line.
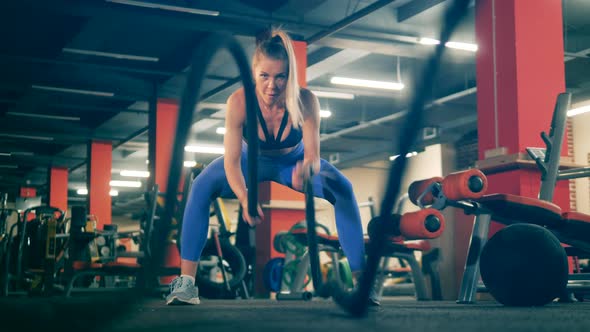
point(270, 76)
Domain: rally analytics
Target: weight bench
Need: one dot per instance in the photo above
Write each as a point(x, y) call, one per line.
point(408, 234)
point(570, 227)
point(133, 264)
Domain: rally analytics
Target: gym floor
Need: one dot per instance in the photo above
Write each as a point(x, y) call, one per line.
point(118, 313)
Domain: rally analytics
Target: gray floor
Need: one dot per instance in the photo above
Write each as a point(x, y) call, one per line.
point(123, 313)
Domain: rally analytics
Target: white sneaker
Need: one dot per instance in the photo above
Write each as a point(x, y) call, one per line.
point(183, 291)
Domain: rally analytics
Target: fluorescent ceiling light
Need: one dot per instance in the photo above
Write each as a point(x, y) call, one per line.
point(578, 110)
point(17, 153)
point(189, 163)
point(456, 45)
point(408, 155)
point(462, 46)
point(325, 114)
point(166, 7)
point(220, 130)
point(335, 95)
point(84, 191)
point(367, 83)
point(216, 106)
point(66, 90)
point(39, 138)
point(8, 166)
point(137, 174)
point(127, 184)
point(205, 149)
point(45, 116)
point(111, 55)
point(428, 41)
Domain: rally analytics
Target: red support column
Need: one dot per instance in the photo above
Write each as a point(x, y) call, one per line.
point(278, 218)
point(520, 72)
point(98, 182)
point(58, 187)
point(166, 118)
point(165, 132)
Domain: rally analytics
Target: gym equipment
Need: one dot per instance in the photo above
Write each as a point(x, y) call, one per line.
point(422, 224)
point(524, 265)
point(570, 228)
point(222, 267)
point(296, 270)
point(80, 265)
point(35, 254)
point(273, 273)
point(218, 275)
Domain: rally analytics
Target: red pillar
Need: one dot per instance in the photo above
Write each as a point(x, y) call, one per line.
point(276, 218)
point(58, 187)
point(520, 72)
point(165, 132)
point(98, 182)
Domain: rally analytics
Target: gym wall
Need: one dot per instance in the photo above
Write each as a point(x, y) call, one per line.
point(581, 131)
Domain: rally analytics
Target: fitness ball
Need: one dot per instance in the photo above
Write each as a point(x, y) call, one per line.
point(524, 265)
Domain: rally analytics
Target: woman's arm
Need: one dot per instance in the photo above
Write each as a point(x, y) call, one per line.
point(311, 140)
point(232, 141)
point(311, 130)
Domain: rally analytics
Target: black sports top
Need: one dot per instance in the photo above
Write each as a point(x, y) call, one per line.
point(274, 143)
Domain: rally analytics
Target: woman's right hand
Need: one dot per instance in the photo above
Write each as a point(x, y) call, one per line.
point(250, 220)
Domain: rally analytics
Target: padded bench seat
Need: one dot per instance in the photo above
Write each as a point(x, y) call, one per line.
point(511, 209)
point(577, 226)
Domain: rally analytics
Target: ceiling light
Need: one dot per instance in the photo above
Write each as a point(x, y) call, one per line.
point(66, 90)
point(335, 95)
point(137, 174)
point(4, 154)
point(205, 149)
point(408, 155)
point(456, 45)
point(428, 41)
point(8, 166)
point(220, 130)
point(39, 138)
point(21, 153)
point(367, 83)
point(127, 184)
point(166, 7)
point(84, 191)
point(111, 55)
point(578, 110)
point(325, 114)
point(45, 116)
point(462, 46)
point(216, 106)
point(189, 163)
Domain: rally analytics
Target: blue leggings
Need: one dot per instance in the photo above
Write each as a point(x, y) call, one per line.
point(330, 184)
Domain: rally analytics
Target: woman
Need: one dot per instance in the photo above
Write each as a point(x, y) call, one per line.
point(288, 134)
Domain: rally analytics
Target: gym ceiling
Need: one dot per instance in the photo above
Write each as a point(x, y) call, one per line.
point(73, 71)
